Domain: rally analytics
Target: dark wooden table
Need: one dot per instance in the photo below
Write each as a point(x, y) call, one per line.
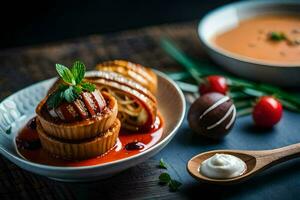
point(24, 66)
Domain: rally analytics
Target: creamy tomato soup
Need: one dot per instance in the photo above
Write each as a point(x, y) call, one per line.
point(271, 38)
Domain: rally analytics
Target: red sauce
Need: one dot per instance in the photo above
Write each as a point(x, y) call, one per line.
point(39, 155)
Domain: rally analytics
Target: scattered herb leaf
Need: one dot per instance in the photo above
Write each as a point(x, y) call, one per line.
point(164, 178)
point(277, 36)
point(174, 185)
point(162, 164)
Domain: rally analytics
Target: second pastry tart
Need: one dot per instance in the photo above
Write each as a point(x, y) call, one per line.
point(78, 150)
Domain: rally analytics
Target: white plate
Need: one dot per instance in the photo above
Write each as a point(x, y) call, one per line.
point(16, 109)
point(229, 16)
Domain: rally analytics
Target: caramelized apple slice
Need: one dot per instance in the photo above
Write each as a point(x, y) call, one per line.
point(89, 104)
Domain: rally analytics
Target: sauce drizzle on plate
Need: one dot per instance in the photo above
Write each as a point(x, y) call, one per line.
point(39, 155)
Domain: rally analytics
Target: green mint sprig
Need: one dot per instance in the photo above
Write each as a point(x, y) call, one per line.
point(165, 178)
point(72, 86)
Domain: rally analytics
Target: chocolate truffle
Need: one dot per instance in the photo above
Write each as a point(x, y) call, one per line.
point(212, 115)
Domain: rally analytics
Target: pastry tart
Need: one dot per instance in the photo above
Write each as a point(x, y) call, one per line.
point(83, 149)
point(140, 74)
point(137, 106)
point(76, 120)
point(86, 117)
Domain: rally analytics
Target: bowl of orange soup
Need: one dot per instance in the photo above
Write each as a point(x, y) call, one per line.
point(259, 40)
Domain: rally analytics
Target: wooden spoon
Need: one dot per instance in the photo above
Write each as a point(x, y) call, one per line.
point(256, 162)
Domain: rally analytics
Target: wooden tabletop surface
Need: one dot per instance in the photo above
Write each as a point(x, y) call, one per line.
point(23, 66)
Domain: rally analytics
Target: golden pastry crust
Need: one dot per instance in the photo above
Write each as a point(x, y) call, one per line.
point(82, 149)
point(84, 129)
point(146, 110)
point(142, 75)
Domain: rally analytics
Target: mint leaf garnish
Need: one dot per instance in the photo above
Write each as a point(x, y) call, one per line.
point(162, 164)
point(164, 178)
point(78, 71)
point(65, 74)
point(88, 86)
point(73, 84)
point(55, 99)
point(77, 89)
point(70, 95)
point(63, 87)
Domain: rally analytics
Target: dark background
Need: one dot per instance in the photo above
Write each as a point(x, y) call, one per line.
point(30, 22)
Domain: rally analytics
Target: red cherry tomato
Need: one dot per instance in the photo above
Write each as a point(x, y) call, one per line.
point(267, 112)
point(214, 84)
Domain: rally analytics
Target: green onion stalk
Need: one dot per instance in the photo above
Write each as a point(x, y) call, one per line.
point(243, 92)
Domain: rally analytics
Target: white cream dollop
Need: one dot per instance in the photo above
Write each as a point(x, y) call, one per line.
point(222, 166)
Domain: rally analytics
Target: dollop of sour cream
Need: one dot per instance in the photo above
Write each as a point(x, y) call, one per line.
point(222, 166)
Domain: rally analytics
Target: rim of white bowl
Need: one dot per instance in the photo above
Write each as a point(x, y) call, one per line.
point(209, 44)
point(157, 145)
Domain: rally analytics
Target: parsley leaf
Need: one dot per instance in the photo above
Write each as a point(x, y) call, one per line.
point(162, 164)
point(88, 86)
point(65, 74)
point(78, 71)
point(164, 178)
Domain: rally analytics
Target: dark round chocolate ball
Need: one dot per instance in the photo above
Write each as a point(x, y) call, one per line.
point(212, 115)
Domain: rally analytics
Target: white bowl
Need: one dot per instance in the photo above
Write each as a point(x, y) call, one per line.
point(229, 16)
point(16, 109)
